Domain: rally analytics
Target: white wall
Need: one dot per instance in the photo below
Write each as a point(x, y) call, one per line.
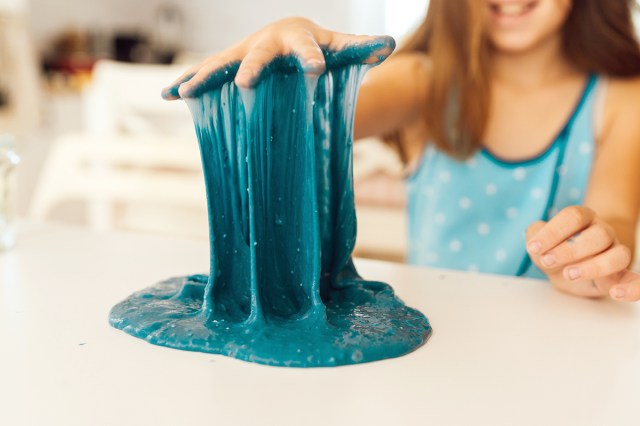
point(210, 25)
point(401, 17)
point(13, 6)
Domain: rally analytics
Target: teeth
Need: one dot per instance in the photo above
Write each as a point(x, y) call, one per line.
point(512, 9)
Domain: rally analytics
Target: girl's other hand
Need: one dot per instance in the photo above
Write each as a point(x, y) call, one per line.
point(581, 255)
point(299, 37)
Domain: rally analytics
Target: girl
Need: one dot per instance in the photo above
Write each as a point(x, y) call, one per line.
point(512, 116)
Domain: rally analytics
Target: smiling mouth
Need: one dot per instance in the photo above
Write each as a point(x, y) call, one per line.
point(511, 9)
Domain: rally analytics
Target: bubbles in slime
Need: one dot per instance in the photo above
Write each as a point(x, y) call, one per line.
point(282, 288)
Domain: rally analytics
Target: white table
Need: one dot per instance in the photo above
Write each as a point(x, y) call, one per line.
point(504, 351)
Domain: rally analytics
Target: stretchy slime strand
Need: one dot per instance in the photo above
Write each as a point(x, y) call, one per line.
point(282, 288)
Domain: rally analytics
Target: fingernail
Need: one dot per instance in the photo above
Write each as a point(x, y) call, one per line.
point(184, 90)
point(574, 273)
point(314, 66)
point(619, 293)
point(249, 73)
point(534, 247)
point(248, 76)
point(548, 260)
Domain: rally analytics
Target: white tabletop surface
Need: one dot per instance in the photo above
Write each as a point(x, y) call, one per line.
point(505, 351)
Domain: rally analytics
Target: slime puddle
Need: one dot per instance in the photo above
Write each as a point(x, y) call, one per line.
point(282, 288)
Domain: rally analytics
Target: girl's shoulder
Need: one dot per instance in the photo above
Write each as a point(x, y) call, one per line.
point(622, 82)
point(623, 92)
point(621, 105)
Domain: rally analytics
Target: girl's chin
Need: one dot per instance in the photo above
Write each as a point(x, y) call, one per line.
point(513, 45)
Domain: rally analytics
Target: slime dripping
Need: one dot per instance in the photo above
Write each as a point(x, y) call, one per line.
point(282, 288)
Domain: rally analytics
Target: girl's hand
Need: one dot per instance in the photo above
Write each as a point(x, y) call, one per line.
point(581, 255)
point(293, 36)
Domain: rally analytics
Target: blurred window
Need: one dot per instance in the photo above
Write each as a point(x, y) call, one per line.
point(403, 16)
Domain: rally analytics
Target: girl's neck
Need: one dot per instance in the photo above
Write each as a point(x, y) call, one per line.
point(535, 67)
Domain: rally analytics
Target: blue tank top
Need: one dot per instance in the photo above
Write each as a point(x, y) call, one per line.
point(473, 215)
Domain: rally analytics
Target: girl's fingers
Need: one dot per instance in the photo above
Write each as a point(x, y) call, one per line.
point(170, 93)
point(247, 60)
point(561, 227)
point(612, 261)
point(361, 49)
point(304, 45)
point(592, 256)
point(213, 72)
point(309, 53)
point(534, 228)
point(628, 288)
point(257, 58)
point(594, 240)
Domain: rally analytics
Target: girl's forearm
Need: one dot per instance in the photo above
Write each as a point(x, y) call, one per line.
point(625, 231)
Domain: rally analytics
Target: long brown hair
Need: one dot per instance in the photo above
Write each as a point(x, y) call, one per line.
point(598, 36)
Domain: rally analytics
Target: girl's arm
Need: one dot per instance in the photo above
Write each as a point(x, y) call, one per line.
point(586, 250)
point(393, 96)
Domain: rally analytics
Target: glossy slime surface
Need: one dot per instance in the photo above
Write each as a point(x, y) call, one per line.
point(282, 288)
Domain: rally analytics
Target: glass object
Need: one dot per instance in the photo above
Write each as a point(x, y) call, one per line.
point(9, 159)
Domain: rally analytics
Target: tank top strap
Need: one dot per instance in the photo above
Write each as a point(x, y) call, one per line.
point(583, 108)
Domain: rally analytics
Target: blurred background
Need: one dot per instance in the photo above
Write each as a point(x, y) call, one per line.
point(79, 92)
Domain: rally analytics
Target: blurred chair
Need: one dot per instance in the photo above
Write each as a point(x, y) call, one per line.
point(136, 165)
point(18, 75)
point(380, 201)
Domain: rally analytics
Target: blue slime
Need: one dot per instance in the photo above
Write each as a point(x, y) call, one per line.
point(282, 288)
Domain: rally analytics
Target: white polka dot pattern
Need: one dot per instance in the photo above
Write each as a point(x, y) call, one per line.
point(429, 191)
point(520, 173)
point(585, 148)
point(484, 229)
point(455, 246)
point(490, 189)
point(444, 176)
point(464, 203)
point(536, 193)
point(575, 193)
point(562, 170)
